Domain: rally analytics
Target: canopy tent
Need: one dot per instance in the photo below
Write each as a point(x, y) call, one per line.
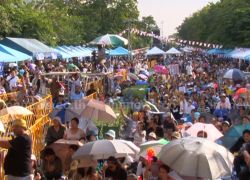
point(71, 54)
point(241, 54)
point(187, 49)
point(173, 51)
point(13, 55)
point(87, 52)
point(31, 47)
point(216, 51)
point(230, 54)
point(155, 51)
point(63, 54)
point(120, 51)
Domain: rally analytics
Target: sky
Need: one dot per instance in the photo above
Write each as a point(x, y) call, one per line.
point(169, 14)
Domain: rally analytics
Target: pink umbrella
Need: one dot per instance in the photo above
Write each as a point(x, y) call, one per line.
point(160, 69)
point(208, 129)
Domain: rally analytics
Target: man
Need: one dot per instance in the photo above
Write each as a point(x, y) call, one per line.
point(17, 163)
point(110, 135)
point(12, 80)
point(114, 170)
point(91, 90)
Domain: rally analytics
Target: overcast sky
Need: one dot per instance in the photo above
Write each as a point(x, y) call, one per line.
point(169, 14)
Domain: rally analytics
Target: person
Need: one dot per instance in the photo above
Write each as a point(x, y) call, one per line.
point(225, 127)
point(12, 80)
point(37, 174)
point(202, 134)
point(163, 172)
point(17, 163)
point(242, 140)
point(71, 150)
point(55, 132)
point(101, 56)
point(51, 165)
point(140, 134)
point(114, 170)
point(110, 135)
point(91, 90)
point(76, 91)
point(132, 177)
point(74, 133)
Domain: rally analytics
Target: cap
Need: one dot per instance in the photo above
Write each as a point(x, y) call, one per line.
point(176, 135)
point(152, 135)
point(226, 123)
point(57, 119)
point(111, 133)
point(20, 122)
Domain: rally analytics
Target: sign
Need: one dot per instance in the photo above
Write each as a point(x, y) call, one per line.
point(174, 69)
point(1, 68)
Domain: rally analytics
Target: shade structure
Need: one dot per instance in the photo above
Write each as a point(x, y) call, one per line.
point(173, 51)
point(14, 55)
point(131, 145)
point(110, 40)
point(31, 47)
point(15, 111)
point(155, 51)
point(103, 149)
point(63, 54)
point(197, 157)
point(120, 51)
point(233, 134)
point(212, 132)
point(235, 74)
point(97, 110)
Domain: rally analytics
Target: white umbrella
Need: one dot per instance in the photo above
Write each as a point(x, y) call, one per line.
point(197, 157)
point(16, 111)
point(110, 40)
point(103, 149)
point(132, 146)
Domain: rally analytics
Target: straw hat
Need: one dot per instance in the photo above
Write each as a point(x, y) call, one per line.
point(20, 122)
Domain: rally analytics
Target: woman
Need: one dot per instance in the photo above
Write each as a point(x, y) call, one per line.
point(140, 134)
point(55, 132)
point(163, 172)
point(74, 133)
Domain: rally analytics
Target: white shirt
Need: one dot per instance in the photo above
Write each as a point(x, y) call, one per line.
point(12, 81)
point(189, 69)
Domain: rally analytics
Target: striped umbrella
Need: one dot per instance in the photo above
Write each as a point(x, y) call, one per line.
point(235, 74)
point(110, 40)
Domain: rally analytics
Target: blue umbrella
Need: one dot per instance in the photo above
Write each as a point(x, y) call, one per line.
point(235, 74)
point(233, 134)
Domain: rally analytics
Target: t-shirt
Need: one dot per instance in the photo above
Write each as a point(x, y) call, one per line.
point(18, 159)
point(118, 174)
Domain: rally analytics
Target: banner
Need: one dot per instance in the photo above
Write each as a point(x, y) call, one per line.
point(1, 68)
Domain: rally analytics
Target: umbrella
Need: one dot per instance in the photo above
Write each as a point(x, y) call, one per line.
point(99, 111)
point(212, 132)
point(143, 76)
point(235, 74)
point(16, 111)
point(133, 76)
point(150, 144)
point(240, 92)
point(61, 147)
point(160, 69)
point(233, 134)
point(197, 157)
point(132, 146)
point(110, 40)
point(103, 149)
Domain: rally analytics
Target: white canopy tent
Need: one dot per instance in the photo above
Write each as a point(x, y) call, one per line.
point(155, 51)
point(173, 51)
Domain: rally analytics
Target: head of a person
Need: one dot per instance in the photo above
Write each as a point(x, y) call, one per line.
point(56, 121)
point(245, 120)
point(92, 87)
point(140, 126)
point(110, 135)
point(136, 116)
point(202, 119)
point(146, 108)
point(13, 72)
point(225, 126)
point(163, 171)
point(202, 134)
point(72, 149)
point(74, 123)
point(175, 135)
point(113, 163)
point(19, 126)
point(132, 177)
point(49, 154)
point(91, 136)
point(246, 135)
point(223, 97)
point(152, 136)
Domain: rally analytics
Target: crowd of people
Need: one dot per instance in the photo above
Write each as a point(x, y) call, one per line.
point(173, 102)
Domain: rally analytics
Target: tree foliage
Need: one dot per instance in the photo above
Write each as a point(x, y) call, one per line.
point(226, 22)
point(70, 21)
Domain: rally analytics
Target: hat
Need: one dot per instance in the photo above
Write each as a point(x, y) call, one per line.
point(57, 118)
point(20, 122)
point(152, 135)
point(226, 123)
point(111, 133)
point(176, 135)
point(197, 115)
point(146, 106)
point(223, 95)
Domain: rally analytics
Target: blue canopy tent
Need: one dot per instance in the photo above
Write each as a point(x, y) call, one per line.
point(120, 51)
point(83, 52)
point(155, 51)
point(73, 51)
point(68, 51)
point(87, 51)
point(31, 47)
point(14, 55)
point(62, 54)
point(216, 51)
